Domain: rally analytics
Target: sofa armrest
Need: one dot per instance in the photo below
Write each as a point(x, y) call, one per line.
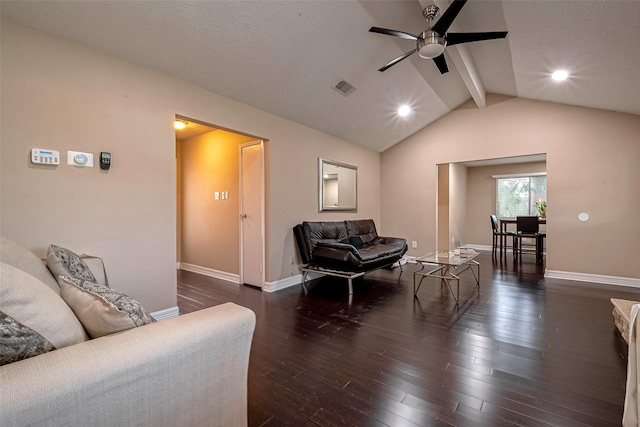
point(392, 241)
point(187, 370)
point(335, 250)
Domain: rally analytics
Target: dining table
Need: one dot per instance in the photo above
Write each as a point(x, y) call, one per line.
point(504, 224)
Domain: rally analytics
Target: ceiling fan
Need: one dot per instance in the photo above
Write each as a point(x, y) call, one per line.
point(431, 42)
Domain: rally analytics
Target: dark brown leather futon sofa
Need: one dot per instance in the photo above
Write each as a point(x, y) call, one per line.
point(346, 248)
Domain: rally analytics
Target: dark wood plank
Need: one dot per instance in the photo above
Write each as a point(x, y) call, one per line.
point(524, 350)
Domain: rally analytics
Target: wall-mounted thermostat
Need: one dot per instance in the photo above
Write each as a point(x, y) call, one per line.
point(45, 157)
point(77, 158)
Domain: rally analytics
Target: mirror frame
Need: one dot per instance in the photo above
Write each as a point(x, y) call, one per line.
point(333, 208)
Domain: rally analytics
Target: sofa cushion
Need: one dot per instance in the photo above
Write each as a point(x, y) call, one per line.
point(14, 254)
point(64, 262)
point(377, 251)
point(315, 232)
point(364, 229)
point(101, 309)
point(35, 318)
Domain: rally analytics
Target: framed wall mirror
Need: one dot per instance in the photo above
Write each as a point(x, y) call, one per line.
point(338, 186)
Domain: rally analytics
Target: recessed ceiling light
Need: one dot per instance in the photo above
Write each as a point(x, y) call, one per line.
point(560, 75)
point(404, 110)
point(179, 124)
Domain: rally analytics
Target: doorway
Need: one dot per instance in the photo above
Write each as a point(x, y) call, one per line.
point(466, 196)
point(209, 236)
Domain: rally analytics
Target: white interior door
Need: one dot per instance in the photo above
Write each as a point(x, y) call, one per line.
point(252, 213)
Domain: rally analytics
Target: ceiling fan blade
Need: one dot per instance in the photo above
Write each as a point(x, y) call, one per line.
point(448, 16)
point(393, 33)
point(398, 59)
point(457, 38)
point(441, 63)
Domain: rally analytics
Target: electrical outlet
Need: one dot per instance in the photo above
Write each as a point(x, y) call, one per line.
point(414, 244)
point(216, 195)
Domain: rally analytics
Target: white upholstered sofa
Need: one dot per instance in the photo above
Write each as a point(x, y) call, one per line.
point(189, 370)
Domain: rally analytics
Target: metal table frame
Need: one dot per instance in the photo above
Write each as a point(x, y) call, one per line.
point(447, 268)
point(349, 275)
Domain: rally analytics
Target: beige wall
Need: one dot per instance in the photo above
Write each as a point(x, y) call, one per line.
point(444, 208)
point(294, 192)
point(62, 95)
point(481, 198)
point(452, 202)
point(457, 205)
point(592, 167)
point(209, 228)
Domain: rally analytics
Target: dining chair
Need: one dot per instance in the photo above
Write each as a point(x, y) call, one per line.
point(498, 236)
point(528, 227)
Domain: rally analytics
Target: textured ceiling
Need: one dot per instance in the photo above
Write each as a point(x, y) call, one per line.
point(285, 57)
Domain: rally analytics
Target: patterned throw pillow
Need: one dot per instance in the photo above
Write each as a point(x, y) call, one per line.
point(35, 319)
point(64, 262)
point(101, 309)
point(19, 342)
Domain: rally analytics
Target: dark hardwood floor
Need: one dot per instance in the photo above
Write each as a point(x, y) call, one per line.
point(522, 351)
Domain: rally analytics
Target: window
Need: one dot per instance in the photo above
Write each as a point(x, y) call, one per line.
point(517, 194)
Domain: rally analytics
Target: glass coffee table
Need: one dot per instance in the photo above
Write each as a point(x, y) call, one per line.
point(447, 266)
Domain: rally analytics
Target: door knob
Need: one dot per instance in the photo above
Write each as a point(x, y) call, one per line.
point(244, 215)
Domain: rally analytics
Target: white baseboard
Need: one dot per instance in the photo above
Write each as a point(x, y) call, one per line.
point(287, 282)
point(579, 277)
point(593, 278)
point(234, 278)
point(165, 314)
point(229, 277)
point(297, 279)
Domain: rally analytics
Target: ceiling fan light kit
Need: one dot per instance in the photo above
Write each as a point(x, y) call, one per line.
point(431, 43)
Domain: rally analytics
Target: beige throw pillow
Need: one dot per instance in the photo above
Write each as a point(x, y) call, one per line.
point(101, 309)
point(30, 305)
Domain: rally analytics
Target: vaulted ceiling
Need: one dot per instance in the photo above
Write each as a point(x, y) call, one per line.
point(286, 57)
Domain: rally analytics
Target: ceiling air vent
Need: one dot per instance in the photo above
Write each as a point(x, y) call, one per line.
point(344, 88)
